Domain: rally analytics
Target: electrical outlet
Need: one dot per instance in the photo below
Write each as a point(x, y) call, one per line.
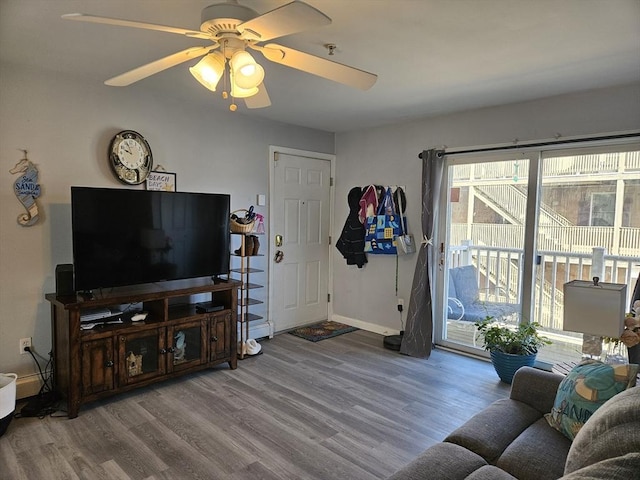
point(401, 302)
point(24, 342)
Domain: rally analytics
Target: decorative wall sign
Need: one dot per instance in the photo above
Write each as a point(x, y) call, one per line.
point(27, 189)
point(161, 181)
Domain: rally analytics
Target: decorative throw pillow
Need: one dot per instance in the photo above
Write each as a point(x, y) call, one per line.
point(584, 390)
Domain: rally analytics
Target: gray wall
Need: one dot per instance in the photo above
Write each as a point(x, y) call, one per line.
point(66, 126)
point(389, 156)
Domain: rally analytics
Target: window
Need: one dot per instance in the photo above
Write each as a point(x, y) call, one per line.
point(602, 211)
point(515, 268)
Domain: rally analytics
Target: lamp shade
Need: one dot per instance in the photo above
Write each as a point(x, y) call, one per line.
point(209, 70)
point(246, 72)
point(239, 92)
point(595, 309)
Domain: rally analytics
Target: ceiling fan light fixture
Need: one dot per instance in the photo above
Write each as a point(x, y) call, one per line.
point(209, 70)
point(248, 74)
point(239, 92)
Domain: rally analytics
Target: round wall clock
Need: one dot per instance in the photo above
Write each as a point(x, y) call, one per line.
point(130, 157)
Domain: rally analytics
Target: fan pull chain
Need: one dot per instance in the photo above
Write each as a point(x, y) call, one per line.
point(225, 94)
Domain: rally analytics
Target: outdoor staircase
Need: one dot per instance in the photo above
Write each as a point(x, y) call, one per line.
point(511, 203)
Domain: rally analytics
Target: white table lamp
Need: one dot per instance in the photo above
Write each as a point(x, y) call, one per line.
point(595, 308)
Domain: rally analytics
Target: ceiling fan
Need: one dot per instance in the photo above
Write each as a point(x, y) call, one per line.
point(232, 29)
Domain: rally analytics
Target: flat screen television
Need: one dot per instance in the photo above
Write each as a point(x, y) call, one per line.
point(129, 237)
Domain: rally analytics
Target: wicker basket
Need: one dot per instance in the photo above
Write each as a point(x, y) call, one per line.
point(241, 227)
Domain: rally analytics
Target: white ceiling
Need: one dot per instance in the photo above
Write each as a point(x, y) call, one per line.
point(431, 56)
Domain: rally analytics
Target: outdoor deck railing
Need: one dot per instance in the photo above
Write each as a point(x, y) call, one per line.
point(557, 167)
point(500, 270)
point(579, 239)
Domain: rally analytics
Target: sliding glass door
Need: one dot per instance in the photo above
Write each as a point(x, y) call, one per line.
point(589, 226)
point(518, 225)
point(482, 253)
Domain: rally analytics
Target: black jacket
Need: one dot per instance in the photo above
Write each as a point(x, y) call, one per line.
point(351, 241)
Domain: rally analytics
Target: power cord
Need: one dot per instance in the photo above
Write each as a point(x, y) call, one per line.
point(46, 401)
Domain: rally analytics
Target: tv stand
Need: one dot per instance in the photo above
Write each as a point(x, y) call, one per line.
point(174, 339)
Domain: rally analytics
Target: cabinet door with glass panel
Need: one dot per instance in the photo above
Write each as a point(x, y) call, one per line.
point(142, 356)
point(187, 345)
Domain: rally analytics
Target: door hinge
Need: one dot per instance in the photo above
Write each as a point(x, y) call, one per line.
point(329, 239)
point(276, 156)
point(328, 298)
point(331, 181)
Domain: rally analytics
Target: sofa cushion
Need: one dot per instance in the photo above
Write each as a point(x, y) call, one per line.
point(539, 453)
point(478, 311)
point(490, 432)
point(614, 430)
point(443, 461)
point(466, 284)
point(624, 467)
point(489, 472)
point(584, 390)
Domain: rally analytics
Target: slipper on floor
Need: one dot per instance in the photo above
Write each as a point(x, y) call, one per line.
point(253, 347)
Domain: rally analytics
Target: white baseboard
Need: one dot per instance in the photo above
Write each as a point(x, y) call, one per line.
point(28, 386)
point(258, 330)
point(369, 327)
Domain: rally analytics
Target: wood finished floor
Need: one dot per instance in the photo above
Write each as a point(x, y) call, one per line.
point(342, 408)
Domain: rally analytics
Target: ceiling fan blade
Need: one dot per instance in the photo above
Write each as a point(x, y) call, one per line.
point(290, 18)
point(322, 67)
point(149, 69)
point(260, 99)
point(129, 23)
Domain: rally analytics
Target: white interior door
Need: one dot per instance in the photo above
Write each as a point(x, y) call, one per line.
point(300, 219)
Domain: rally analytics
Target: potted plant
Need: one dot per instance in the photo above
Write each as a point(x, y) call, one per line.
point(510, 347)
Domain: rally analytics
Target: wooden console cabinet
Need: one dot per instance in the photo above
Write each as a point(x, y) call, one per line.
point(172, 340)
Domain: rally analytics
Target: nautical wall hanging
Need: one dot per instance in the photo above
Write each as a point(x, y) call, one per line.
point(27, 189)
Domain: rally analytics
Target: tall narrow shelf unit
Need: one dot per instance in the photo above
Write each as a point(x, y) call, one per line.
point(248, 270)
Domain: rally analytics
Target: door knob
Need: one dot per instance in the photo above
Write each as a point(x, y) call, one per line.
point(278, 240)
point(109, 363)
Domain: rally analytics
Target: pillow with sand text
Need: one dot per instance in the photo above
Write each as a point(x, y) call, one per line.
point(584, 390)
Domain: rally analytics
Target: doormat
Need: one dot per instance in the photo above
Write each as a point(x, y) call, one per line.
point(322, 331)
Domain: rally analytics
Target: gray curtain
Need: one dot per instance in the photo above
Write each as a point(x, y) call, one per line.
point(418, 335)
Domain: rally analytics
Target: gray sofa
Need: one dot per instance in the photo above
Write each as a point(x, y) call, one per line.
point(511, 439)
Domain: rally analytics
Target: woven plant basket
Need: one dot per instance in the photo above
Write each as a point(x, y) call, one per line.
point(241, 227)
